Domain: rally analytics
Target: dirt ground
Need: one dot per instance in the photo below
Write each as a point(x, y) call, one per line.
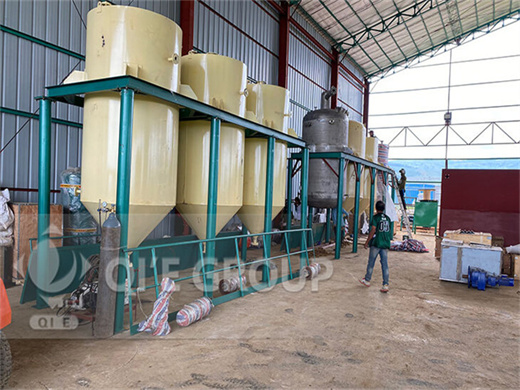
point(423, 334)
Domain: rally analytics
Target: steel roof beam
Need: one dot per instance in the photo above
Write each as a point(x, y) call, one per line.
point(476, 11)
point(389, 32)
point(348, 32)
point(400, 17)
point(406, 27)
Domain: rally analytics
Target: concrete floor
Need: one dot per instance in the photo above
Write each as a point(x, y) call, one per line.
point(422, 334)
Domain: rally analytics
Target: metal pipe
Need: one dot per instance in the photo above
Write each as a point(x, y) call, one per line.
point(327, 232)
point(325, 97)
point(355, 228)
point(124, 166)
point(339, 209)
point(268, 210)
point(106, 297)
point(44, 200)
point(288, 204)
point(372, 191)
point(211, 226)
point(309, 224)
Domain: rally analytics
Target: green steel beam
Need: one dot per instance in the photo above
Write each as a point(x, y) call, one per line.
point(44, 200)
point(426, 29)
point(348, 32)
point(304, 182)
point(460, 21)
point(268, 209)
point(124, 166)
point(346, 156)
point(355, 228)
point(442, 19)
point(41, 42)
point(373, 178)
point(339, 208)
point(476, 10)
point(369, 34)
point(211, 224)
point(447, 41)
point(67, 92)
point(27, 114)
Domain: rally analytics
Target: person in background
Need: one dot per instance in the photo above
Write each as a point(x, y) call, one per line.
point(379, 241)
point(371, 133)
point(402, 185)
point(296, 208)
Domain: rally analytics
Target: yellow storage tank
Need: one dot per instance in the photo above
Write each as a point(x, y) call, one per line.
point(371, 154)
point(270, 107)
point(356, 142)
point(131, 41)
point(221, 82)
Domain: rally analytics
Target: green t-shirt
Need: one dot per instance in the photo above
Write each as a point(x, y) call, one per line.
point(383, 235)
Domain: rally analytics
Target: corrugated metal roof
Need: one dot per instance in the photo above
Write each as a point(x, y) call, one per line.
point(379, 35)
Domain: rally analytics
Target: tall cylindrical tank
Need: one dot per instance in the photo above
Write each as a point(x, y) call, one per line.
point(131, 41)
point(356, 142)
point(371, 154)
point(325, 130)
point(269, 105)
point(221, 82)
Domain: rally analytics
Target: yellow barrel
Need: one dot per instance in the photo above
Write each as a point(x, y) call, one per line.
point(371, 154)
point(131, 41)
point(270, 107)
point(356, 142)
point(221, 82)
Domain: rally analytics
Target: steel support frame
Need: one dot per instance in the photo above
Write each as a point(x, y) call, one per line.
point(366, 93)
point(128, 87)
point(359, 164)
point(283, 44)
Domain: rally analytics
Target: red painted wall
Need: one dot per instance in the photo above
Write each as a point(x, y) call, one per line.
point(482, 201)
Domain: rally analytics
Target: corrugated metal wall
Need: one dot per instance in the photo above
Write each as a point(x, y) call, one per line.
point(245, 30)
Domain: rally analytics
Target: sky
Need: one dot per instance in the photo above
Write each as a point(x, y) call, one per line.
point(434, 72)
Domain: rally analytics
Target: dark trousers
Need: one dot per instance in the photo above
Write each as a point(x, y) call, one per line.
point(401, 193)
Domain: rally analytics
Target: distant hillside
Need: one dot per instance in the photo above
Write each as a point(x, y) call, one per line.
point(431, 170)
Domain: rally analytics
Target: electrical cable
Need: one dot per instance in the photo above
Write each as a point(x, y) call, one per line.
point(454, 109)
point(79, 13)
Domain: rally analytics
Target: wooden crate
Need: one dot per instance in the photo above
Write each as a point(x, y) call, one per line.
point(477, 238)
point(515, 262)
point(26, 227)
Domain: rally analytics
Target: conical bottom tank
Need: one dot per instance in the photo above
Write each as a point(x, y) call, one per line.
point(253, 211)
point(154, 153)
point(371, 154)
point(356, 142)
point(193, 174)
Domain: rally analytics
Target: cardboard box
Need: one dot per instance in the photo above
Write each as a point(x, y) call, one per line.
point(515, 262)
point(26, 227)
point(438, 240)
point(497, 241)
point(477, 238)
point(507, 264)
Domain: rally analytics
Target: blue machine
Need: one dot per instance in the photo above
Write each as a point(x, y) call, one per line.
point(478, 278)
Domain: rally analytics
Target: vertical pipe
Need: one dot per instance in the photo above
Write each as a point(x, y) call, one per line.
point(304, 189)
point(124, 165)
point(44, 200)
point(334, 76)
point(366, 91)
point(187, 24)
point(355, 228)
point(372, 192)
point(385, 175)
point(327, 231)
point(268, 210)
point(243, 249)
point(211, 227)
point(339, 212)
point(283, 45)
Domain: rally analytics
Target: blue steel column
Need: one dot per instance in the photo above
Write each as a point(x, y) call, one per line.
point(309, 224)
point(268, 210)
point(339, 206)
point(44, 200)
point(124, 165)
point(304, 192)
point(211, 227)
point(355, 228)
point(372, 188)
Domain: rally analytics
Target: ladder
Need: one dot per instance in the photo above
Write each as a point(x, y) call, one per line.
point(403, 210)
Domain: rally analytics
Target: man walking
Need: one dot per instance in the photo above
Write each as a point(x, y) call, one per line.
point(379, 241)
